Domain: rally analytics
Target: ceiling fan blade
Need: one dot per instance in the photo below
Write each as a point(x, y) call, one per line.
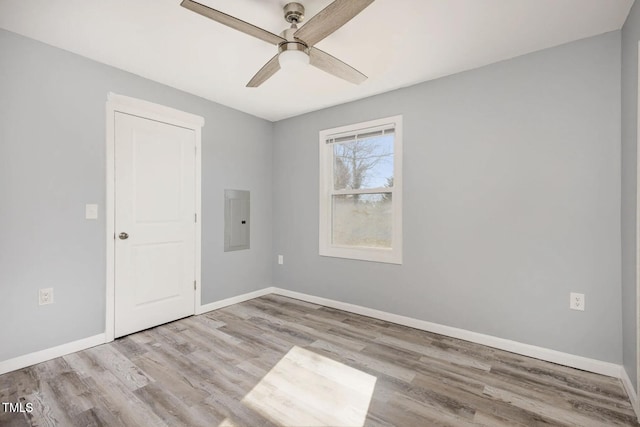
point(330, 19)
point(268, 70)
point(334, 66)
point(232, 22)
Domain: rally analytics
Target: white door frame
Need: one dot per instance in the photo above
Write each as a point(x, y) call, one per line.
point(636, 404)
point(149, 110)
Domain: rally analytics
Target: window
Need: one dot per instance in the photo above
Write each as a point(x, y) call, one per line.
point(361, 191)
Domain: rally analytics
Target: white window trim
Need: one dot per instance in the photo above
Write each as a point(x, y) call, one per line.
point(391, 256)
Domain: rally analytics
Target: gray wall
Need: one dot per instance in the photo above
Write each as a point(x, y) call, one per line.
point(511, 201)
point(630, 37)
point(512, 197)
point(52, 162)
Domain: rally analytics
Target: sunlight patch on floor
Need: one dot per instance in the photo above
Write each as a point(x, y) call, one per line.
point(306, 389)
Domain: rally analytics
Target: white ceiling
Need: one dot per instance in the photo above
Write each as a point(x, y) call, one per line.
point(396, 43)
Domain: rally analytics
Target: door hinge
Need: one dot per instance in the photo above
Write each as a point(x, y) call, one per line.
point(195, 217)
point(194, 285)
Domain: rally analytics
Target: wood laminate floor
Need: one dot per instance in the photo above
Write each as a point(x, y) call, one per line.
point(278, 361)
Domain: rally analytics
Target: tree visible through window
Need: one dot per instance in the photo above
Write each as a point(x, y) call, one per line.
point(360, 197)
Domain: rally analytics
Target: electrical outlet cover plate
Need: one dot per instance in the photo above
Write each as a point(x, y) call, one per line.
point(576, 301)
point(45, 296)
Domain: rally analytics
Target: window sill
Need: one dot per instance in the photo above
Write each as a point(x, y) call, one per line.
point(387, 256)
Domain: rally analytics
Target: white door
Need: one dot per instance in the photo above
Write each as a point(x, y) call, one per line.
point(154, 223)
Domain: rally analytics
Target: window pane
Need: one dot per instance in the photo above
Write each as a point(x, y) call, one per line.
point(363, 163)
point(362, 220)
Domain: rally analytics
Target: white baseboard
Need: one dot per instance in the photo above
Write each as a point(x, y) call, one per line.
point(50, 353)
point(631, 392)
point(234, 300)
point(566, 359)
point(61, 350)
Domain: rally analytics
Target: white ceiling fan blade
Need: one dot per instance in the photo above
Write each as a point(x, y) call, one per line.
point(334, 66)
point(232, 22)
point(330, 19)
point(268, 70)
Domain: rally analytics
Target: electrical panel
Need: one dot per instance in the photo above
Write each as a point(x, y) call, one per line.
point(236, 220)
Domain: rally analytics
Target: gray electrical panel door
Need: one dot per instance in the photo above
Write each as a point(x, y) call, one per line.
point(236, 220)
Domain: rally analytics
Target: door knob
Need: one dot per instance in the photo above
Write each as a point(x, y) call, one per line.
point(123, 236)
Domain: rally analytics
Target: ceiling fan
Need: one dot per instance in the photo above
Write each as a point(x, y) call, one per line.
point(296, 45)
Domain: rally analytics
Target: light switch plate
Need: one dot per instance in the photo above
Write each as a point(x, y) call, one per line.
point(91, 211)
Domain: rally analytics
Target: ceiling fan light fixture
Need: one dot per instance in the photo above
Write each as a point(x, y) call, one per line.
point(293, 58)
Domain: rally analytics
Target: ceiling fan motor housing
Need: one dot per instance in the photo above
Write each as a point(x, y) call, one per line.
point(292, 43)
point(293, 13)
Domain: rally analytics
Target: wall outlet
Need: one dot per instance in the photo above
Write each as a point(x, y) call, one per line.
point(280, 259)
point(45, 296)
point(576, 301)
